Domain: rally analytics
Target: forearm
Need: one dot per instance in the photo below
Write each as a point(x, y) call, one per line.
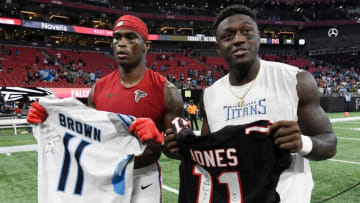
point(151, 154)
point(169, 154)
point(324, 147)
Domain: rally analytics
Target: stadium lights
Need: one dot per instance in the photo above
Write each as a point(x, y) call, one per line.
point(28, 12)
point(58, 16)
point(301, 41)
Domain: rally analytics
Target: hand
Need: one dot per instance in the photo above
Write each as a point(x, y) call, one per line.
point(172, 134)
point(37, 114)
point(146, 129)
point(287, 135)
point(170, 143)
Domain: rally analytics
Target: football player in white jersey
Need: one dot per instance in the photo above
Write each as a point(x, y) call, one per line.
point(256, 89)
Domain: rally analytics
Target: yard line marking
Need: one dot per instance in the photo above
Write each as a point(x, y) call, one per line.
point(21, 148)
point(348, 138)
point(342, 161)
point(170, 189)
point(344, 128)
point(335, 120)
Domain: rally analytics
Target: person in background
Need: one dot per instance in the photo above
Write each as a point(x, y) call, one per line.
point(347, 97)
point(192, 111)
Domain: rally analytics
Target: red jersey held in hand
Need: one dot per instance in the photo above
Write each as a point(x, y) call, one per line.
point(145, 99)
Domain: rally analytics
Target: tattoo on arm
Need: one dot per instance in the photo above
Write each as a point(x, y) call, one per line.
point(173, 102)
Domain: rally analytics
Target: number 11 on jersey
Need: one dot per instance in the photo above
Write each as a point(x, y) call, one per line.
point(231, 179)
point(66, 165)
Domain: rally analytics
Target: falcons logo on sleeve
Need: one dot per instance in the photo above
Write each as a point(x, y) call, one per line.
point(139, 94)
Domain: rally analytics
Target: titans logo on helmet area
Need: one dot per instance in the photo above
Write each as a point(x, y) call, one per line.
point(139, 94)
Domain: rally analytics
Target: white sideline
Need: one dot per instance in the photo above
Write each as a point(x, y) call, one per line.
point(170, 189)
point(335, 120)
point(342, 161)
point(348, 138)
point(21, 148)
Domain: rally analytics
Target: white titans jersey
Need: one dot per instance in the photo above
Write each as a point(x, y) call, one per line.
point(84, 155)
point(273, 97)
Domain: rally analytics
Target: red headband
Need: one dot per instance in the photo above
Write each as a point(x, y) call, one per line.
point(129, 22)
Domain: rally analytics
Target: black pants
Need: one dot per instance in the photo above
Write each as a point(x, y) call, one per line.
point(347, 106)
point(194, 119)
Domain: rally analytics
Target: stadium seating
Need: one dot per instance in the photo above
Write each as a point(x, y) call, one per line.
point(98, 60)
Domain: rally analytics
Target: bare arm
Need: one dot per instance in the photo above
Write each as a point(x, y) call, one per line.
point(205, 130)
point(173, 102)
point(174, 108)
point(313, 121)
point(90, 101)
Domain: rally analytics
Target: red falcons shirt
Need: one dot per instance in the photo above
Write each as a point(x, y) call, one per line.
point(146, 99)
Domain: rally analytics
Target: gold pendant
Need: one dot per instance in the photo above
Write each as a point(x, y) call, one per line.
point(241, 103)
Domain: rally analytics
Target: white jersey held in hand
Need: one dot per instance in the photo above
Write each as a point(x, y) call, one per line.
point(84, 155)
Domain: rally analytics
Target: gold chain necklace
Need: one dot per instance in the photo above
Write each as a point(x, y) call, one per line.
point(241, 99)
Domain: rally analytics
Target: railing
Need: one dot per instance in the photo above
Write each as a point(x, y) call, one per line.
point(14, 122)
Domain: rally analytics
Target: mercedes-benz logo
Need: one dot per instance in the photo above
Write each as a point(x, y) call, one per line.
point(333, 32)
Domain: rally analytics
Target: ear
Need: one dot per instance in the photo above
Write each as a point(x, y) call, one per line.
point(147, 46)
point(218, 49)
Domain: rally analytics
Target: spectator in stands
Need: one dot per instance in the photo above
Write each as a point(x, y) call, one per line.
point(2, 100)
point(29, 76)
point(98, 74)
point(183, 63)
point(45, 60)
point(36, 59)
point(92, 78)
point(289, 97)
point(4, 109)
point(17, 110)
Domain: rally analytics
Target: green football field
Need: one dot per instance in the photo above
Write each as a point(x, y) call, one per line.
point(18, 171)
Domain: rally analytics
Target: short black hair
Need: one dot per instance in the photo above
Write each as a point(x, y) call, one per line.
point(232, 10)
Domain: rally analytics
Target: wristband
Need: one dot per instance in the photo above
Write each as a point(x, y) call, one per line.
point(307, 145)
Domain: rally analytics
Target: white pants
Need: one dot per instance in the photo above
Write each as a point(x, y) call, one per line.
point(147, 184)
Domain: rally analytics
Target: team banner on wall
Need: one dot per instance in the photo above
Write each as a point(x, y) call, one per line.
point(71, 92)
point(108, 33)
point(10, 21)
point(35, 93)
point(47, 26)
